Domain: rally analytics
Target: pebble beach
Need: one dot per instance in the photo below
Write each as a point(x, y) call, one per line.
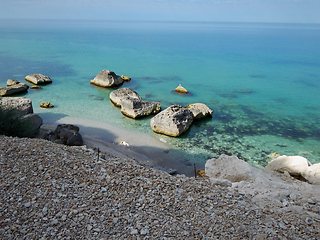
point(51, 191)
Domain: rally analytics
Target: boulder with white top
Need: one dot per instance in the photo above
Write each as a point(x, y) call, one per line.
point(200, 110)
point(107, 79)
point(116, 95)
point(38, 78)
point(137, 108)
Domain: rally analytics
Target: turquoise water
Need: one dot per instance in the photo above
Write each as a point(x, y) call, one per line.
point(261, 80)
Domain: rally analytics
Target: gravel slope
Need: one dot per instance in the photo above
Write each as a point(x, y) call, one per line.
point(51, 191)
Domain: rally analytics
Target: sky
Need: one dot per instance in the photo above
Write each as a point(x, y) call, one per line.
point(286, 11)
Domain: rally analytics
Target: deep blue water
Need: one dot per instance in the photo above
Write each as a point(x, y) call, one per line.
point(261, 80)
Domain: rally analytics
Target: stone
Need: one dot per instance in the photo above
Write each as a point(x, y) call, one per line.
point(220, 182)
point(312, 174)
point(31, 125)
point(13, 87)
point(16, 114)
point(106, 79)
point(294, 165)
point(200, 110)
point(38, 79)
point(125, 78)
point(173, 121)
point(45, 104)
point(67, 134)
point(181, 89)
point(230, 168)
point(137, 108)
point(116, 95)
point(21, 105)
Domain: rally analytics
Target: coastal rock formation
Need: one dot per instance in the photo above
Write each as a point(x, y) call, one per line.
point(13, 87)
point(45, 104)
point(20, 105)
point(294, 165)
point(181, 89)
point(107, 78)
point(137, 108)
point(66, 134)
point(312, 174)
point(117, 95)
point(38, 79)
point(17, 118)
point(199, 110)
point(173, 121)
point(230, 168)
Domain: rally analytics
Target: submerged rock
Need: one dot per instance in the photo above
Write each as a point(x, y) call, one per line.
point(200, 110)
point(107, 78)
point(117, 95)
point(38, 79)
point(13, 87)
point(173, 121)
point(137, 108)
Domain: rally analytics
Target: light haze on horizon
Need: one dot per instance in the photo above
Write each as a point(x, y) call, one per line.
point(282, 11)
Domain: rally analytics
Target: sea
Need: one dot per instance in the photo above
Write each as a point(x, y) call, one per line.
point(262, 80)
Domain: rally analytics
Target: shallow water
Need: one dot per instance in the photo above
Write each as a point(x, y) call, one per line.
point(261, 80)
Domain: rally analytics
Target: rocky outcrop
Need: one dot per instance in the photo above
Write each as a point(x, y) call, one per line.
point(229, 168)
point(312, 174)
point(294, 165)
point(173, 121)
point(45, 104)
point(137, 108)
point(199, 111)
point(117, 95)
point(106, 79)
point(16, 115)
point(66, 134)
point(181, 89)
point(38, 79)
point(13, 87)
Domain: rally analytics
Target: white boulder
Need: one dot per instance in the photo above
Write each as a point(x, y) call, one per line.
point(312, 174)
point(294, 165)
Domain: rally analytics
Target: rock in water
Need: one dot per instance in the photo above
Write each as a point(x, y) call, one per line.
point(137, 108)
point(181, 89)
point(173, 121)
point(107, 78)
point(38, 79)
point(45, 104)
point(125, 78)
point(117, 95)
point(13, 87)
point(295, 165)
point(200, 110)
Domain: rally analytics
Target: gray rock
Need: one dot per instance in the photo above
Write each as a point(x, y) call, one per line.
point(67, 134)
point(200, 110)
point(31, 123)
point(107, 78)
point(38, 79)
point(173, 121)
point(16, 114)
point(20, 105)
point(117, 95)
point(137, 108)
point(13, 87)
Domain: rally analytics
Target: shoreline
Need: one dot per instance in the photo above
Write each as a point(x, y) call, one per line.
point(143, 148)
